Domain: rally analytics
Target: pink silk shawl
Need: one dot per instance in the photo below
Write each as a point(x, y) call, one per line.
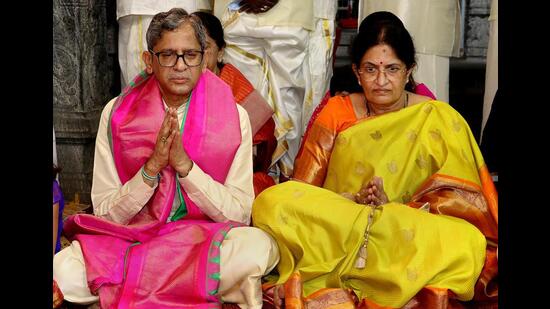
point(150, 263)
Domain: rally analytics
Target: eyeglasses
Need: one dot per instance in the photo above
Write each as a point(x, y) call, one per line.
point(169, 58)
point(370, 73)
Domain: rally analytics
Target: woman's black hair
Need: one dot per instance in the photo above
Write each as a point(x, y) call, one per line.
point(385, 28)
point(213, 28)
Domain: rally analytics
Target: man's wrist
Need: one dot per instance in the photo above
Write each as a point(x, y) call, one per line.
point(151, 169)
point(149, 177)
point(184, 171)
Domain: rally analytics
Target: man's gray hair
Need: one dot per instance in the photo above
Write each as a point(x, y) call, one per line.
point(170, 21)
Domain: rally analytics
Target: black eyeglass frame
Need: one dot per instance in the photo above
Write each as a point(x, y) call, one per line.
point(178, 56)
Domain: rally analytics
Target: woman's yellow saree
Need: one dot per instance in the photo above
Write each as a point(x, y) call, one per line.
point(426, 155)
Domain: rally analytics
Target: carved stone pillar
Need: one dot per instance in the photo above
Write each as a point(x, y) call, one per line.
point(477, 28)
point(85, 78)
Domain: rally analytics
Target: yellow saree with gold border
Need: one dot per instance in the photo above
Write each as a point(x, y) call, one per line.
point(426, 154)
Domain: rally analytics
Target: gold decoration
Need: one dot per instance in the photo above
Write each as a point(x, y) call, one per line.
point(411, 136)
point(408, 234)
point(421, 161)
point(298, 193)
point(436, 135)
point(376, 135)
point(463, 153)
point(392, 166)
point(283, 219)
point(427, 109)
point(457, 126)
point(406, 197)
point(360, 169)
point(412, 274)
point(341, 140)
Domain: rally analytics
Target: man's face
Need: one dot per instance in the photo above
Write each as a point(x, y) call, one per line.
point(178, 81)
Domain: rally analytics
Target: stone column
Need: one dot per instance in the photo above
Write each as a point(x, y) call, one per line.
point(85, 77)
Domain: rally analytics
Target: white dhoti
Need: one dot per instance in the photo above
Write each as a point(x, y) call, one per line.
point(289, 65)
point(131, 44)
point(247, 254)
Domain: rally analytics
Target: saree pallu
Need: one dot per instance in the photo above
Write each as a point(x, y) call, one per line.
point(149, 263)
point(319, 234)
point(425, 153)
point(323, 127)
point(259, 111)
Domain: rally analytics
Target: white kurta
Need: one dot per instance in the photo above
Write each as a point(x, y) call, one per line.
point(247, 253)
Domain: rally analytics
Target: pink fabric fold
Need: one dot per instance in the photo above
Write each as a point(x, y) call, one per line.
point(422, 89)
point(150, 263)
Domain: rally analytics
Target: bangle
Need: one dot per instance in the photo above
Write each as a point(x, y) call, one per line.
point(144, 174)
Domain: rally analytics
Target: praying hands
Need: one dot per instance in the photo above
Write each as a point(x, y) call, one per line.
point(372, 193)
point(169, 148)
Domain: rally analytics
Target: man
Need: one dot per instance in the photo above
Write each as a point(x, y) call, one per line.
point(170, 200)
point(285, 49)
point(133, 20)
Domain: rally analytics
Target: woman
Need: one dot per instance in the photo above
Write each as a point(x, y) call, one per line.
point(390, 149)
point(257, 107)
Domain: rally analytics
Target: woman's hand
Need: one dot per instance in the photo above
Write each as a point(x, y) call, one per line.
point(372, 193)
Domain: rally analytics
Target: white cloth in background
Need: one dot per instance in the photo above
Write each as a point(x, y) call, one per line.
point(286, 53)
point(54, 148)
point(247, 253)
point(134, 17)
point(491, 71)
point(435, 28)
point(433, 71)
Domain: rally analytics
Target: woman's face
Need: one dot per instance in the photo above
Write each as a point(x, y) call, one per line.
point(213, 54)
point(382, 75)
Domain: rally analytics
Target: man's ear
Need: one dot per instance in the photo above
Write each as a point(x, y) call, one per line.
point(204, 67)
point(147, 57)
